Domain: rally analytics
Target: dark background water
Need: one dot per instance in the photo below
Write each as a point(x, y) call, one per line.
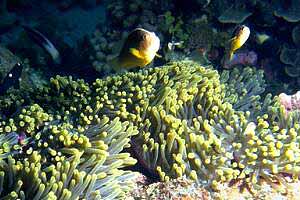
point(71, 26)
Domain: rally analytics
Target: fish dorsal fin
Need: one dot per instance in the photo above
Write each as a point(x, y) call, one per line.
point(136, 53)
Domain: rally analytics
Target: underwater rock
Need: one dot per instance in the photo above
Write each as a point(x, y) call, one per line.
point(184, 189)
point(290, 11)
point(31, 79)
point(234, 15)
point(7, 61)
point(177, 189)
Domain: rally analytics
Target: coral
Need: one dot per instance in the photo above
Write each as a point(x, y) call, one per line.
point(290, 102)
point(106, 45)
point(203, 38)
point(120, 12)
point(184, 189)
point(201, 35)
point(266, 16)
point(291, 57)
point(261, 38)
point(174, 27)
point(125, 17)
point(289, 11)
point(241, 58)
point(234, 14)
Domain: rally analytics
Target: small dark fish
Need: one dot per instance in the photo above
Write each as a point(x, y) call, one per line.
point(12, 78)
point(43, 42)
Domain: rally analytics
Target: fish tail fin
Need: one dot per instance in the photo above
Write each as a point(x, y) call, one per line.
point(230, 55)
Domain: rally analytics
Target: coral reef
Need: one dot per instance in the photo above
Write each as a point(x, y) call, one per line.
point(241, 58)
point(183, 119)
point(291, 57)
point(289, 11)
point(68, 138)
point(105, 45)
point(125, 17)
point(234, 14)
point(290, 102)
point(174, 27)
point(203, 36)
point(31, 78)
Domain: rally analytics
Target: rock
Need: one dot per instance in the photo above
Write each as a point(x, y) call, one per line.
point(7, 61)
